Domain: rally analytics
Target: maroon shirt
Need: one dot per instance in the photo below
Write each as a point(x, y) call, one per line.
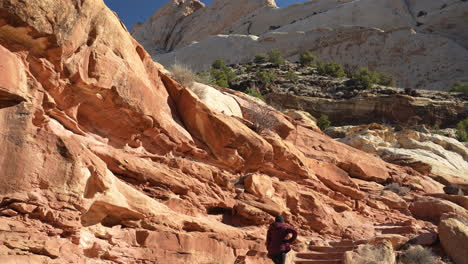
point(276, 238)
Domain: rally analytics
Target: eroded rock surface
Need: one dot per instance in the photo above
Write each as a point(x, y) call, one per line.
point(379, 253)
point(365, 108)
point(453, 234)
point(445, 159)
point(423, 43)
point(180, 22)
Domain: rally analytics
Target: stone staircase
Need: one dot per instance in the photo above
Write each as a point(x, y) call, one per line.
point(395, 229)
point(332, 254)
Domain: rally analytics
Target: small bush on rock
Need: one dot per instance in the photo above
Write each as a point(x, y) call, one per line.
point(417, 255)
point(200, 91)
point(397, 188)
point(292, 76)
point(204, 77)
point(261, 58)
point(460, 87)
point(254, 92)
point(275, 57)
point(323, 122)
point(265, 77)
point(218, 64)
point(436, 130)
point(330, 69)
point(385, 79)
point(364, 78)
point(350, 70)
point(306, 59)
point(220, 78)
point(222, 75)
point(261, 117)
point(182, 74)
point(462, 130)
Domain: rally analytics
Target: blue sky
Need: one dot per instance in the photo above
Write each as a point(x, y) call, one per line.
point(131, 12)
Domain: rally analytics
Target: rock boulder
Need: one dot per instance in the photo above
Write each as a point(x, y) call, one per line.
point(453, 235)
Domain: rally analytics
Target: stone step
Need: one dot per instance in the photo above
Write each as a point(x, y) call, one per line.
point(341, 243)
point(339, 249)
point(395, 229)
point(318, 261)
point(347, 243)
point(320, 255)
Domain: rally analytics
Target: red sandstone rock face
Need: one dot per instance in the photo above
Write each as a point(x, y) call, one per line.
point(107, 160)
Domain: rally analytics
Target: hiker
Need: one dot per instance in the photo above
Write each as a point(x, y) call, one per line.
point(278, 242)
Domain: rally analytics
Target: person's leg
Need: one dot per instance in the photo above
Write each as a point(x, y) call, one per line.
point(276, 259)
point(282, 258)
point(273, 258)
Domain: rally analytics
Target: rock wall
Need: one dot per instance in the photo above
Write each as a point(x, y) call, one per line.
point(368, 108)
point(106, 159)
point(445, 18)
point(181, 22)
point(443, 158)
point(422, 43)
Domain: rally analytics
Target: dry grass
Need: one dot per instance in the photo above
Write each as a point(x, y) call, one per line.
point(185, 76)
point(182, 74)
point(417, 255)
point(199, 90)
point(398, 189)
point(262, 117)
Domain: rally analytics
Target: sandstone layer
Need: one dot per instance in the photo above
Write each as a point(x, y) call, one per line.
point(180, 22)
point(445, 159)
point(106, 159)
point(380, 108)
point(453, 234)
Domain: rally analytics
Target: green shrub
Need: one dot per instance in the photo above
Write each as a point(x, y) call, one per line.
point(323, 122)
point(306, 59)
point(330, 69)
point(292, 76)
point(462, 130)
point(221, 74)
point(204, 77)
point(254, 92)
point(417, 255)
point(365, 79)
point(218, 64)
point(460, 87)
point(275, 57)
point(436, 130)
point(219, 77)
point(265, 77)
point(261, 58)
point(350, 70)
point(385, 79)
